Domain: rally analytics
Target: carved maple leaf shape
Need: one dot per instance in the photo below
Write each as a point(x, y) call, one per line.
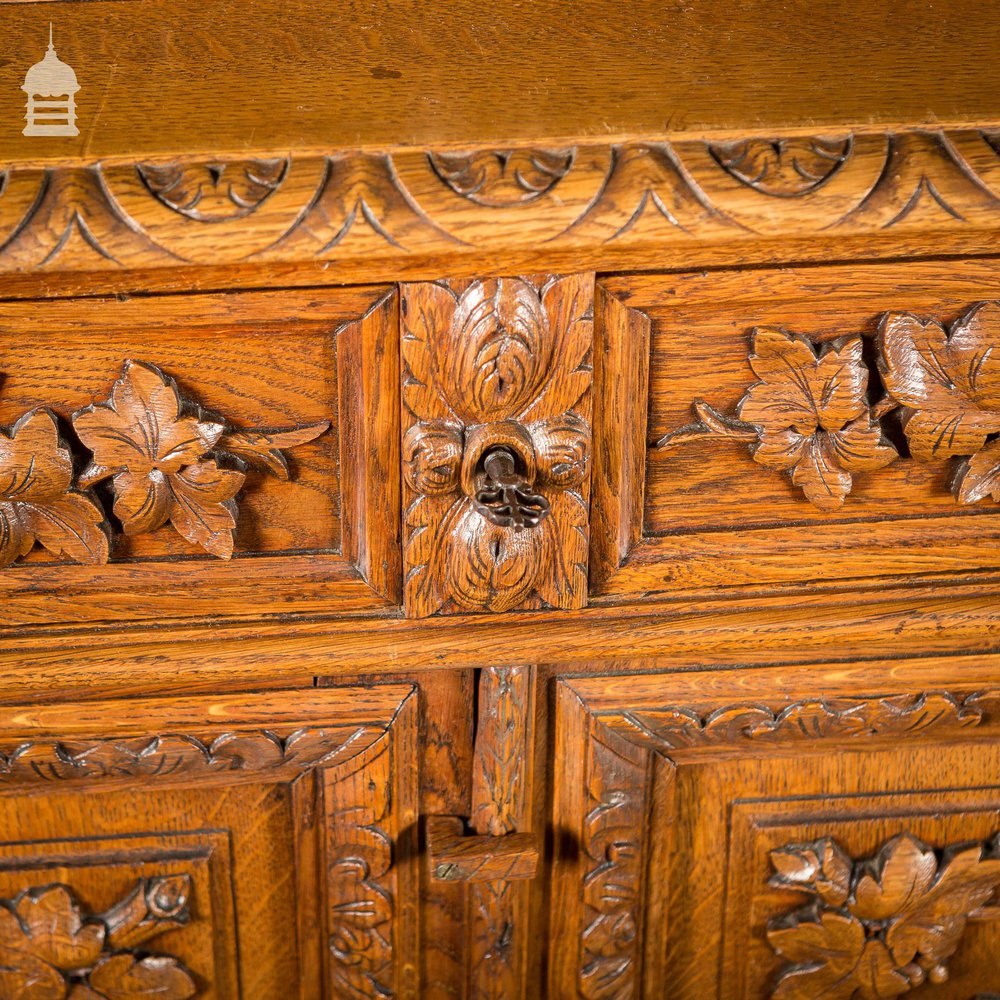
point(47, 949)
point(879, 928)
point(812, 415)
point(37, 501)
point(947, 380)
point(158, 455)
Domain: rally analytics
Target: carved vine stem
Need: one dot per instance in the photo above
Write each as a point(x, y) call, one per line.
point(809, 415)
point(168, 461)
point(878, 927)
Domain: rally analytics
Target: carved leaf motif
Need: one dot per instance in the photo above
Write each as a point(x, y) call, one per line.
point(562, 450)
point(202, 507)
point(811, 411)
point(888, 923)
point(489, 568)
point(502, 178)
point(126, 977)
point(784, 168)
point(262, 448)
point(425, 316)
point(949, 381)
point(979, 476)
point(497, 350)
point(214, 192)
point(58, 934)
point(432, 457)
point(36, 499)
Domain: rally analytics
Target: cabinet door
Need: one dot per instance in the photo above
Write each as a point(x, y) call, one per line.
point(787, 833)
point(242, 848)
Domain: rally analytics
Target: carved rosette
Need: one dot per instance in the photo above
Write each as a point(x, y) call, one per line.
point(50, 948)
point(168, 461)
point(879, 927)
point(496, 450)
point(809, 413)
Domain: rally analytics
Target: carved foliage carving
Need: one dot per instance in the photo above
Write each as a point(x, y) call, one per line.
point(501, 178)
point(38, 502)
point(358, 204)
point(214, 192)
point(504, 364)
point(166, 456)
point(809, 414)
point(802, 722)
point(879, 927)
point(611, 889)
point(50, 948)
point(361, 900)
point(166, 755)
point(784, 168)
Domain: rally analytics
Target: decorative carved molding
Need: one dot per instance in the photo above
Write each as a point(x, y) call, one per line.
point(168, 755)
point(808, 414)
point(936, 712)
point(362, 205)
point(611, 841)
point(881, 926)
point(501, 366)
point(51, 948)
point(784, 168)
point(501, 809)
point(214, 192)
point(363, 824)
point(502, 178)
point(166, 458)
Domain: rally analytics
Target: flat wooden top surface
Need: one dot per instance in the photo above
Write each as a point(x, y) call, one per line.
point(160, 78)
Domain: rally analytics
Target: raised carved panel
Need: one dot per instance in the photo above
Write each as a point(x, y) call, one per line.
point(166, 458)
point(643, 793)
point(496, 443)
point(877, 927)
point(808, 414)
point(51, 947)
point(426, 202)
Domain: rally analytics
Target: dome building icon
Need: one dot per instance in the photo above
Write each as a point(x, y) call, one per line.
point(51, 88)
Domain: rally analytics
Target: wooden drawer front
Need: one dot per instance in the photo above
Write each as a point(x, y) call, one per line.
point(809, 424)
point(258, 427)
point(243, 848)
point(786, 846)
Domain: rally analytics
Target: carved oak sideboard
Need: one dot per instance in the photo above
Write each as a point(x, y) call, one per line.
point(500, 505)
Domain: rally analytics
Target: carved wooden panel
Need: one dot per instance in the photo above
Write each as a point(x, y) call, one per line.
point(844, 417)
point(171, 821)
point(496, 443)
point(689, 825)
point(156, 434)
point(363, 206)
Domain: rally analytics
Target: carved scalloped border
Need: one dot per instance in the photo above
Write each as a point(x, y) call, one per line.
point(382, 207)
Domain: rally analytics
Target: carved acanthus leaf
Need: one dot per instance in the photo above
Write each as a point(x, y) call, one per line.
point(496, 454)
point(785, 168)
point(50, 948)
point(502, 178)
point(878, 927)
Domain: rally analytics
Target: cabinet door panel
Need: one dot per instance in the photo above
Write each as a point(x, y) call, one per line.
point(786, 832)
point(243, 848)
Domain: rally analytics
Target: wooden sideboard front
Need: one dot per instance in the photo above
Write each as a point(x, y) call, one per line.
point(500, 503)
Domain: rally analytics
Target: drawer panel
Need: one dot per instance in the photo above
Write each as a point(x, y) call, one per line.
point(257, 427)
point(231, 849)
point(797, 425)
point(776, 837)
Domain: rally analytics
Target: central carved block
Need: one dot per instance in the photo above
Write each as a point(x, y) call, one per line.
point(496, 443)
